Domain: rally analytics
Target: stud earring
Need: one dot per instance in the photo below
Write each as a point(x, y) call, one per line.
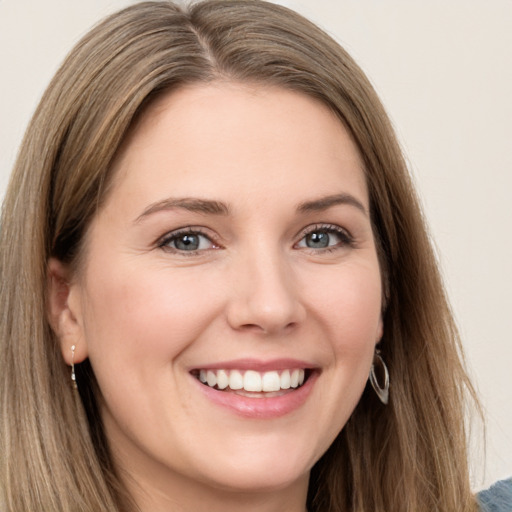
point(73, 376)
point(382, 391)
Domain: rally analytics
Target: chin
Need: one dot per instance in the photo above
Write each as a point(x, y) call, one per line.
point(259, 480)
point(259, 470)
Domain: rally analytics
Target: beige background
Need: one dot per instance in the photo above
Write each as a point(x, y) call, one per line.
point(444, 71)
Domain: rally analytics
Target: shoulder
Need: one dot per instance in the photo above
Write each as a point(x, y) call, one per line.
point(497, 498)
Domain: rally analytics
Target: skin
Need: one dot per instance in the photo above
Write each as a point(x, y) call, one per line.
point(145, 313)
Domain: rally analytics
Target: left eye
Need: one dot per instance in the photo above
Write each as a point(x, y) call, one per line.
point(323, 238)
point(187, 241)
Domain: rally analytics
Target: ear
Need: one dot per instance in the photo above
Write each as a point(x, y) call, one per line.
point(380, 331)
point(64, 310)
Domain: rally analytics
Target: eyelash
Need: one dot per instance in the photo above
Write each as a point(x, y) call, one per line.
point(166, 240)
point(346, 239)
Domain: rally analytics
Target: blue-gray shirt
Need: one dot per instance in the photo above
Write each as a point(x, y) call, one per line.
point(498, 498)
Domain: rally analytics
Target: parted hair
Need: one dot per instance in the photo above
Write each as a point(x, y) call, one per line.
point(407, 456)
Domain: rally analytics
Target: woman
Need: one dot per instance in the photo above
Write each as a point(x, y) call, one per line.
point(211, 234)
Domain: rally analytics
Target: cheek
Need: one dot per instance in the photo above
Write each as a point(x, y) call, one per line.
point(145, 317)
point(348, 302)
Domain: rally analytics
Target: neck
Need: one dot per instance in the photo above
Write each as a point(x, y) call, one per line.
point(179, 494)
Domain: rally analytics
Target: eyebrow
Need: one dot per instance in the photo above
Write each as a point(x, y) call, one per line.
point(326, 202)
point(191, 204)
point(207, 206)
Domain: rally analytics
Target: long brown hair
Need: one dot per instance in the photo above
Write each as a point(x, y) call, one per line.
point(407, 456)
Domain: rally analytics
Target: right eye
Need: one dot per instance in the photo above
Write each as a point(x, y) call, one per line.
point(188, 240)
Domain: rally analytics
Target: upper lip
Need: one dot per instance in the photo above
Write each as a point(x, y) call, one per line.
point(257, 365)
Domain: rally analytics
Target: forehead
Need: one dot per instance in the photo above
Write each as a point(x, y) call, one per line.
point(203, 139)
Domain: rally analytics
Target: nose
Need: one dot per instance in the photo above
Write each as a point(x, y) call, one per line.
point(265, 295)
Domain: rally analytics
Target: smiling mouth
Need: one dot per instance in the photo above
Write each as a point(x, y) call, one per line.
point(252, 383)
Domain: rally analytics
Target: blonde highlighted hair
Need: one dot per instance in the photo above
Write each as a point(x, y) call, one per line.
point(407, 456)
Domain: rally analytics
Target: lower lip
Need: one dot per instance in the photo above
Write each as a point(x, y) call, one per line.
point(260, 408)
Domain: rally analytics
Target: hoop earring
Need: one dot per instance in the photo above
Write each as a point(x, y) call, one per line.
point(73, 376)
point(382, 391)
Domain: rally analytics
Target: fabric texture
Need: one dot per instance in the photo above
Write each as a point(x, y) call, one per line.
point(497, 498)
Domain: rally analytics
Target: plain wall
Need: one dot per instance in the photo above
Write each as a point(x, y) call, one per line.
point(444, 72)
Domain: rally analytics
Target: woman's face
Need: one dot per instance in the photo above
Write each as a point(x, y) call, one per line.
point(234, 247)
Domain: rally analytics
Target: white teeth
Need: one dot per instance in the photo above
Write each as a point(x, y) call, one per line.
point(236, 381)
point(253, 381)
point(270, 381)
point(294, 379)
point(285, 380)
point(211, 378)
point(222, 379)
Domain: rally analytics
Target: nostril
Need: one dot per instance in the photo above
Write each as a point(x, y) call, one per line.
point(267, 328)
point(252, 328)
